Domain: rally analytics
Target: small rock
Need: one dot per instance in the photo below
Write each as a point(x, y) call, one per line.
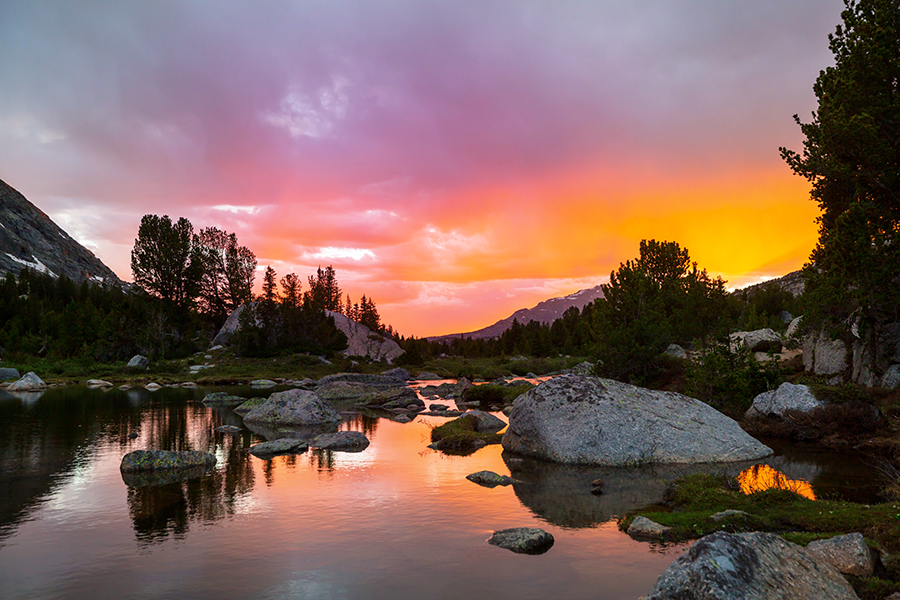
point(98, 383)
point(188, 384)
point(848, 553)
point(353, 441)
point(426, 376)
point(279, 446)
point(262, 383)
point(489, 479)
point(727, 514)
point(222, 399)
point(402, 419)
point(485, 422)
point(153, 386)
point(522, 540)
point(152, 460)
point(676, 351)
point(139, 362)
point(228, 429)
point(133, 435)
point(438, 407)
point(643, 528)
point(216, 347)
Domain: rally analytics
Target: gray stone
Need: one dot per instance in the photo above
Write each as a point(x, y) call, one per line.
point(342, 440)
point(247, 406)
point(788, 397)
point(676, 351)
point(152, 386)
point(484, 422)
point(294, 407)
point(759, 340)
point(522, 540)
point(584, 368)
point(393, 398)
point(152, 460)
point(728, 514)
point(362, 341)
point(745, 566)
point(139, 362)
point(98, 383)
point(223, 399)
point(259, 384)
point(643, 528)
point(381, 382)
point(823, 355)
point(891, 378)
point(426, 376)
point(402, 419)
point(863, 364)
point(848, 553)
point(279, 446)
point(489, 479)
point(398, 373)
point(7, 373)
point(228, 429)
point(231, 326)
point(793, 328)
point(29, 382)
point(588, 420)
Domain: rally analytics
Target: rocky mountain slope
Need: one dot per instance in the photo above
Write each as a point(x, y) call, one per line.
point(28, 238)
point(545, 312)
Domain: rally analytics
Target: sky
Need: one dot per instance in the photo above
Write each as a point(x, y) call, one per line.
point(454, 161)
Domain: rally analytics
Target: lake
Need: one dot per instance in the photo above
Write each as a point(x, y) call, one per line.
point(397, 520)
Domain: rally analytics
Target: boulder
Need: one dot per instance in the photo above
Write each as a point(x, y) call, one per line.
point(279, 446)
point(7, 373)
point(891, 378)
point(522, 540)
point(139, 362)
point(759, 340)
point(249, 405)
point(676, 351)
point(231, 326)
point(426, 376)
point(98, 383)
point(749, 566)
point(643, 528)
point(489, 479)
point(152, 386)
point(353, 441)
point(294, 407)
point(259, 384)
point(228, 429)
point(398, 373)
point(338, 391)
point(588, 420)
point(154, 460)
point(222, 399)
point(823, 355)
point(484, 422)
point(29, 382)
point(793, 328)
point(848, 553)
point(382, 382)
point(788, 397)
point(362, 341)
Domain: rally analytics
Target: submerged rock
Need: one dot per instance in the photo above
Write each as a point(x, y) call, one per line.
point(279, 446)
point(748, 566)
point(223, 399)
point(353, 441)
point(154, 460)
point(489, 479)
point(523, 540)
point(587, 420)
point(294, 407)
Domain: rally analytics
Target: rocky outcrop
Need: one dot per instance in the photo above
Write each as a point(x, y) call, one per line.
point(788, 397)
point(749, 566)
point(293, 407)
point(848, 553)
point(759, 340)
point(823, 355)
point(522, 540)
point(587, 420)
point(362, 341)
point(154, 460)
point(28, 238)
point(30, 382)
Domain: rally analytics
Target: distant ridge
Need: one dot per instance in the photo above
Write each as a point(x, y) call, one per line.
point(29, 238)
point(545, 312)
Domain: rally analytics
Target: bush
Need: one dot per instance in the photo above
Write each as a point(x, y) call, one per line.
point(728, 377)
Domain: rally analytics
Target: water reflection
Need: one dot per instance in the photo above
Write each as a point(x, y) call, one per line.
point(763, 477)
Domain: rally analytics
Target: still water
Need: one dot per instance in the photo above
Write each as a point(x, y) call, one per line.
point(397, 520)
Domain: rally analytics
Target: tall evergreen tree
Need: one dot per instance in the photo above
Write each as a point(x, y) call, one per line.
point(166, 259)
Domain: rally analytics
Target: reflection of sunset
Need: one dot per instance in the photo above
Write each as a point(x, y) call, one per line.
point(764, 477)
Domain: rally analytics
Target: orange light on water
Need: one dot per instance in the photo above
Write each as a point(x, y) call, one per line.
point(763, 477)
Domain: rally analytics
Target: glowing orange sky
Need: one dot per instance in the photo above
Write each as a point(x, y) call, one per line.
point(453, 161)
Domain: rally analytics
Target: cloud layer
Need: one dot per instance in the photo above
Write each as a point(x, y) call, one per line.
point(455, 161)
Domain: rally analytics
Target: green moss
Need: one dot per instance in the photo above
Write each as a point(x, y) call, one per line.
point(459, 436)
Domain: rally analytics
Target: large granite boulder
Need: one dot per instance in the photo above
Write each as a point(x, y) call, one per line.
point(29, 382)
point(748, 566)
point(588, 420)
point(760, 340)
point(362, 341)
point(293, 407)
point(139, 362)
point(788, 397)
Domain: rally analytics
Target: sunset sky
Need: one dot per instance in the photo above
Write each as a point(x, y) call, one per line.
point(455, 160)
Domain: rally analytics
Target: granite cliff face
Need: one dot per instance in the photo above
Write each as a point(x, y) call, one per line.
point(28, 238)
point(544, 312)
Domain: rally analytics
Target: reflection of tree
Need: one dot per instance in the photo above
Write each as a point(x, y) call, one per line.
point(322, 460)
point(367, 424)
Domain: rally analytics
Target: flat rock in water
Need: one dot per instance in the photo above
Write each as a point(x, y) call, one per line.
point(353, 441)
point(749, 566)
point(262, 383)
point(848, 553)
point(294, 407)
point(337, 391)
point(588, 420)
point(228, 429)
point(154, 460)
point(29, 382)
point(98, 383)
point(788, 397)
point(223, 399)
point(522, 540)
point(279, 446)
point(152, 386)
point(489, 479)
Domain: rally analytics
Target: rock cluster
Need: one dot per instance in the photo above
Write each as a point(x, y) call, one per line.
point(788, 397)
